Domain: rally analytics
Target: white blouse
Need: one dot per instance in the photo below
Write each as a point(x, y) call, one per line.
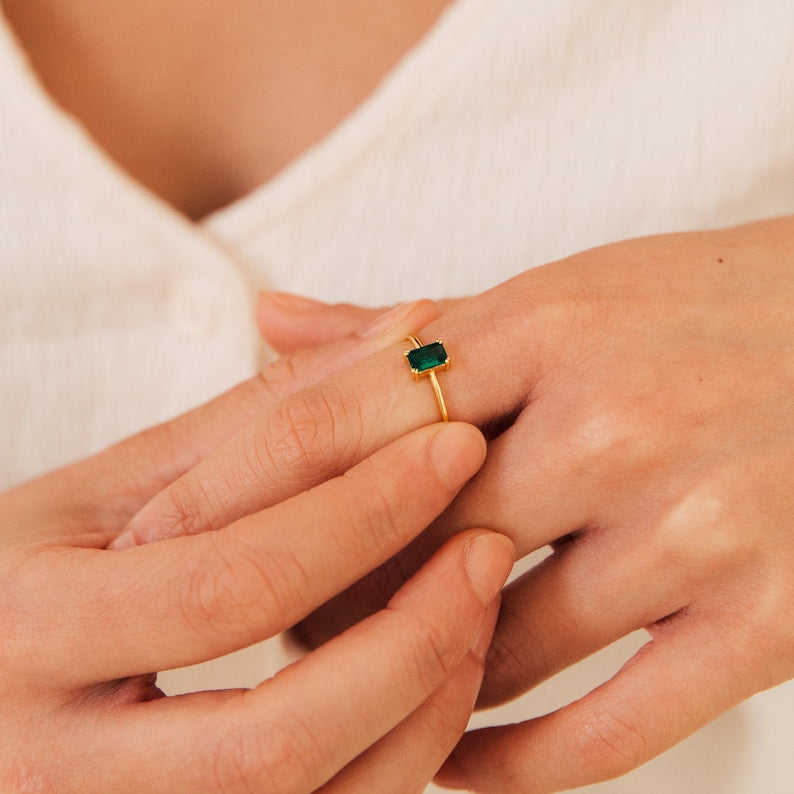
point(514, 133)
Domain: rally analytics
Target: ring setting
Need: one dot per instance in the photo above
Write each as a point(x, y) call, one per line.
point(425, 361)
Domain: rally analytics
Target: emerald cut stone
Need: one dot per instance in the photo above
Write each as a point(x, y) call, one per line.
point(427, 358)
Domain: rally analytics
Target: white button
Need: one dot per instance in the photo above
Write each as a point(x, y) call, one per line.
point(195, 306)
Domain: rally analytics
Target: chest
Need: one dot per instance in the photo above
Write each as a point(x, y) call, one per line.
point(203, 101)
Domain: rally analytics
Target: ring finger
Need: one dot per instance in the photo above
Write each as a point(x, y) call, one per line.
point(590, 592)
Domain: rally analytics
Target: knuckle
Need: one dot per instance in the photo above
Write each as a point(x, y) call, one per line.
point(266, 758)
point(284, 756)
point(516, 661)
point(263, 390)
point(199, 600)
point(426, 655)
point(311, 433)
point(295, 435)
point(443, 721)
point(188, 504)
point(376, 517)
point(701, 530)
point(245, 589)
point(280, 378)
point(608, 746)
point(606, 432)
point(572, 317)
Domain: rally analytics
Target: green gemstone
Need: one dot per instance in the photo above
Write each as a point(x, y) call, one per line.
point(428, 357)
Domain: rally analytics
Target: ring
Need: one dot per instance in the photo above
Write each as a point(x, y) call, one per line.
point(425, 360)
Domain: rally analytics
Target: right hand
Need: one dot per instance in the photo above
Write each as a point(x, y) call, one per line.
point(83, 627)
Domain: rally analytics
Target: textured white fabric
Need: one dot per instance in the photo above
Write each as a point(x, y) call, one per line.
point(516, 132)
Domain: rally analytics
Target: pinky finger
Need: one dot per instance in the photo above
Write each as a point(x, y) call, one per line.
point(407, 758)
point(674, 685)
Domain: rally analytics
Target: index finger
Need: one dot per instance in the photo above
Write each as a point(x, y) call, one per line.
point(296, 730)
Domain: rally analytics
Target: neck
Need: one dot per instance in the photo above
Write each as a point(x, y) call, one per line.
point(203, 100)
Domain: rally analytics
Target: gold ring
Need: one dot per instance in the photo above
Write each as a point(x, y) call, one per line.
point(425, 360)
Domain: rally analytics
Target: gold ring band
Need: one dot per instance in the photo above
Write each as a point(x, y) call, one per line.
point(426, 360)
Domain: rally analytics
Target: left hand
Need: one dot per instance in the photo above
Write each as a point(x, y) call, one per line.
point(640, 399)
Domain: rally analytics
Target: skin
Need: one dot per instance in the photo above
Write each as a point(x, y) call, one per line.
point(641, 425)
point(200, 137)
point(201, 101)
point(83, 626)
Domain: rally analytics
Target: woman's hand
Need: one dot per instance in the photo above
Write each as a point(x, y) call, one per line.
point(640, 404)
point(83, 626)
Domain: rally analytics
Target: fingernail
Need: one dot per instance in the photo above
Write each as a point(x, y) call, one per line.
point(387, 321)
point(457, 451)
point(488, 559)
point(126, 540)
point(292, 303)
